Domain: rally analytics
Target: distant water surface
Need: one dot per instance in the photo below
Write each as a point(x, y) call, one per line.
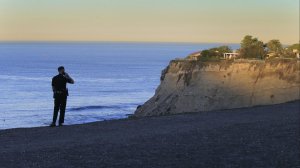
point(111, 78)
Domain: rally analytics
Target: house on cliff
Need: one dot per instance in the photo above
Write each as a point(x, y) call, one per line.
point(197, 55)
point(271, 54)
point(194, 56)
point(296, 52)
point(231, 55)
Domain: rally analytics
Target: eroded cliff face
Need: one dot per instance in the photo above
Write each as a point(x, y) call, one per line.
point(194, 86)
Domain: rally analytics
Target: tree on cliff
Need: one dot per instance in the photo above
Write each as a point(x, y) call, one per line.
point(294, 47)
point(224, 49)
point(275, 47)
point(252, 48)
point(291, 51)
point(216, 52)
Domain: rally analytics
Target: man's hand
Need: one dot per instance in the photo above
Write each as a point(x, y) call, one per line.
point(66, 75)
point(70, 80)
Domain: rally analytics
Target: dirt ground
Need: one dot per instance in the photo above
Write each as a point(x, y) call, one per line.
point(266, 136)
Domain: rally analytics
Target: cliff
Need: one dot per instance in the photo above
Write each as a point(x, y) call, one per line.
point(194, 86)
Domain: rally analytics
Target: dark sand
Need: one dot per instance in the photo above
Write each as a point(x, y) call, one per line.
point(266, 136)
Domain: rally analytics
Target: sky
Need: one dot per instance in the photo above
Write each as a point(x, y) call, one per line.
point(225, 21)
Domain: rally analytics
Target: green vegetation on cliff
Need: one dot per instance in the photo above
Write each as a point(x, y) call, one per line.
point(275, 47)
point(251, 48)
point(214, 54)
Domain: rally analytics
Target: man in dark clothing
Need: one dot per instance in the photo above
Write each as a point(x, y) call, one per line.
point(60, 94)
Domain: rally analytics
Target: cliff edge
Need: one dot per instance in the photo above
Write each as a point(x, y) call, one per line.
point(193, 86)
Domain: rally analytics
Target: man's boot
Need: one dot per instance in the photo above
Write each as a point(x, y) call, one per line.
point(52, 125)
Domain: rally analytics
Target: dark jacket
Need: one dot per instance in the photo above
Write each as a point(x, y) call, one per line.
point(59, 86)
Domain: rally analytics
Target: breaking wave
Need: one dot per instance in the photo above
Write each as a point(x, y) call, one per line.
point(82, 108)
point(92, 108)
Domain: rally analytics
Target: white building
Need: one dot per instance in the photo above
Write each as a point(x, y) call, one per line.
point(230, 55)
point(295, 51)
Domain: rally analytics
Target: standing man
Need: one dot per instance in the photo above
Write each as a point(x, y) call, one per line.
point(60, 94)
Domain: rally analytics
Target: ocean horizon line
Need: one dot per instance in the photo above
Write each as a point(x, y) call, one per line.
point(134, 42)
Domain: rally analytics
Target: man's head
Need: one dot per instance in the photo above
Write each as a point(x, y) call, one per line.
point(61, 70)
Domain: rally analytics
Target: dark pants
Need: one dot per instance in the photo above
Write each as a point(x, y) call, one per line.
point(60, 103)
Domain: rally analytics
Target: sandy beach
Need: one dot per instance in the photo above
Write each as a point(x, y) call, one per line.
point(265, 136)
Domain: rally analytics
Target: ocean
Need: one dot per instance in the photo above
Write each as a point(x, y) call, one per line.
point(111, 78)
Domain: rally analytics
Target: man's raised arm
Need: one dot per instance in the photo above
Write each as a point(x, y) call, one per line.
point(69, 79)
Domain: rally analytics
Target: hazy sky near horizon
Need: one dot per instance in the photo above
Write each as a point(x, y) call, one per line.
point(224, 21)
